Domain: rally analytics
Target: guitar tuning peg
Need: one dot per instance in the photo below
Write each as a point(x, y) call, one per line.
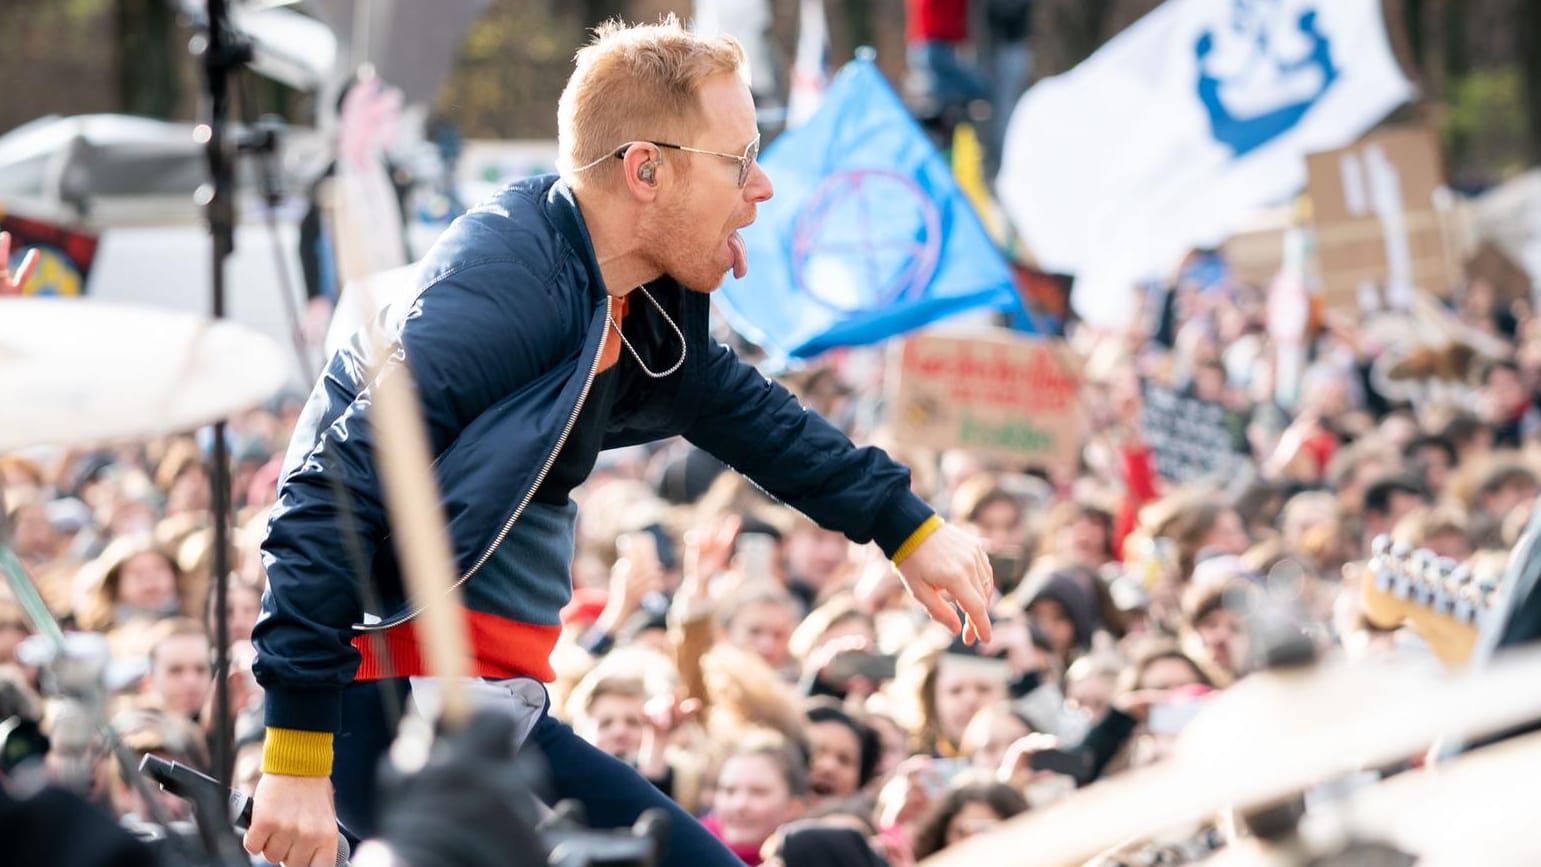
point(1420, 576)
point(1487, 585)
point(1463, 592)
point(1444, 588)
point(1458, 578)
point(1480, 593)
point(1406, 568)
point(1381, 569)
point(1380, 546)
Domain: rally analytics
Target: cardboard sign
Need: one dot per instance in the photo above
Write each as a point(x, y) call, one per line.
point(1191, 438)
point(1378, 227)
point(997, 393)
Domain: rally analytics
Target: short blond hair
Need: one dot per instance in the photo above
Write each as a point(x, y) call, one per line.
point(636, 82)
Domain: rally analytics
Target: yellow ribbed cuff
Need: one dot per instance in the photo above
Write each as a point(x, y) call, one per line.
point(297, 753)
point(921, 534)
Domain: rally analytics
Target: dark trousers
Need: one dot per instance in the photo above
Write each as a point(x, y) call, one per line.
point(613, 794)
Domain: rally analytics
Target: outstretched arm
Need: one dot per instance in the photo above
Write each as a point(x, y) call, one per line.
point(757, 427)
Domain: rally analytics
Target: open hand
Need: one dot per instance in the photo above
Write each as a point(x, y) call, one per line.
point(951, 567)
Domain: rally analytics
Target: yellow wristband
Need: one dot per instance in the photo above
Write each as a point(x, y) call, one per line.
point(921, 534)
point(297, 753)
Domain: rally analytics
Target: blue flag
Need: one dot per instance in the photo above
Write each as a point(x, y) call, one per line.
point(868, 235)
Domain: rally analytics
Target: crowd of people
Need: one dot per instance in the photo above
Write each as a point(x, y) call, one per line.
point(775, 679)
point(772, 677)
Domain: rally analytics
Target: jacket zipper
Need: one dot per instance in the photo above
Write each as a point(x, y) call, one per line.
point(508, 526)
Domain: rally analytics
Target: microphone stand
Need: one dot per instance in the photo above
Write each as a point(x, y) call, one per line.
point(222, 52)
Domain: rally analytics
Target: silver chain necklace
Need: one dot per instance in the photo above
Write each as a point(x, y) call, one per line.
point(627, 343)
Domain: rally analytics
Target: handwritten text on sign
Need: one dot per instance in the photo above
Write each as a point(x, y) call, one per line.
point(996, 392)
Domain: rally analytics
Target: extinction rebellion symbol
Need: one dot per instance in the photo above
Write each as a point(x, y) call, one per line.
point(867, 238)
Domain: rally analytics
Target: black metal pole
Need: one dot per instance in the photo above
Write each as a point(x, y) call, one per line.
point(222, 53)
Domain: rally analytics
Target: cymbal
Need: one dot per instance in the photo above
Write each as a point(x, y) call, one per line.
point(1459, 812)
point(77, 372)
point(1268, 737)
point(1454, 813)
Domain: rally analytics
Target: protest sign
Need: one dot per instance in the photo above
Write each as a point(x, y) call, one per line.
point(1378, 227)
point(1191, 438)
point(997, 393)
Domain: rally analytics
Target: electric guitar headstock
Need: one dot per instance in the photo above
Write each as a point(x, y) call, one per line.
point(1438, 598)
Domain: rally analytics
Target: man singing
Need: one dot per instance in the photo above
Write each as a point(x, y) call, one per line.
point(565, 316)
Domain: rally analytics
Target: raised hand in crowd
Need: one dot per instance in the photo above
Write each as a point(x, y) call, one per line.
point(825, 653)
point(636, 574)
point(907, 796)
point(856, 687)
point(665, 715)
point(876, 584)
point(1290, 457)
point(708, 552)
point(11, 282)
point(1016, 767)
point(1137, 703)
point(1013, 638)
point(950, 567)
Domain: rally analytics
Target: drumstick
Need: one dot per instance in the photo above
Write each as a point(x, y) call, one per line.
point(418, 528)
point(411, 491)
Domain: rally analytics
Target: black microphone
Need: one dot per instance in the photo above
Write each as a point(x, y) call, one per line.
point(194, 786)
point(190, 785)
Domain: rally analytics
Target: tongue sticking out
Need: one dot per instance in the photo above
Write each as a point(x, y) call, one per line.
point(740, 256)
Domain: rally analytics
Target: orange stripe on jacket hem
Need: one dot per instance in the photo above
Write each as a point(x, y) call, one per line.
point(500, 648)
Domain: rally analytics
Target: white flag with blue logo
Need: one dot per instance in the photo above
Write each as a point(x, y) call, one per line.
point(1179, 128)
point(868, 235)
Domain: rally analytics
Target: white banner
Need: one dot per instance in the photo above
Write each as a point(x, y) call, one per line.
point(1181, 127)
point(749, 22)
point(810, 72)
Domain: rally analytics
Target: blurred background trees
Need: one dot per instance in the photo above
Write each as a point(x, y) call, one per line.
point(1478, 62)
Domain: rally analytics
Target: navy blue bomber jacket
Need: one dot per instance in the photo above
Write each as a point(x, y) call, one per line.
point(503, 341)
